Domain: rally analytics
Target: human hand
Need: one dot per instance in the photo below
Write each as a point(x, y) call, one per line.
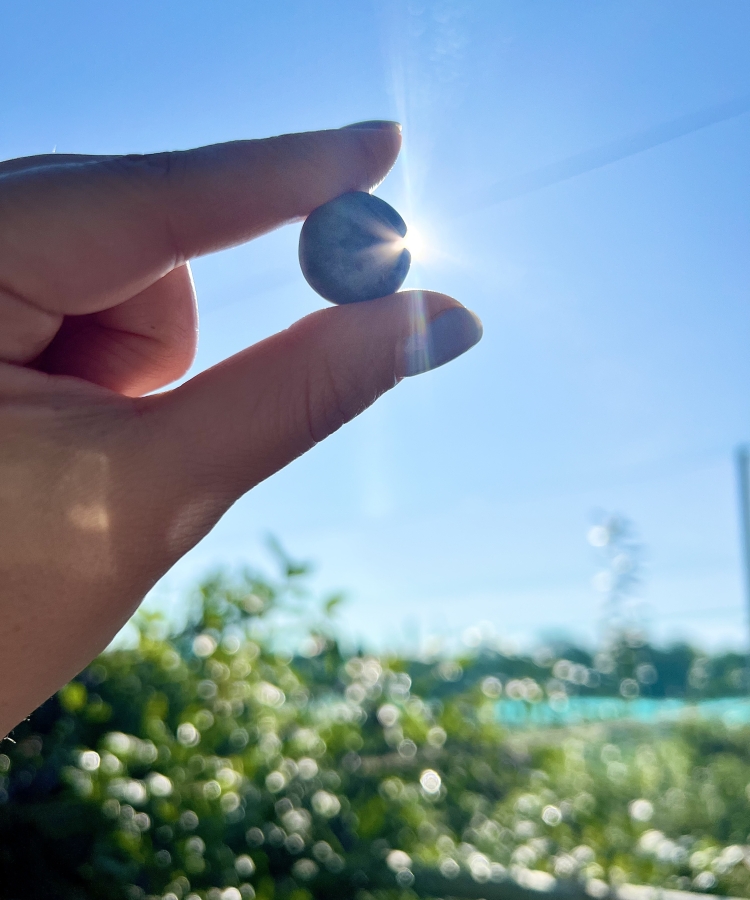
point(103, 489)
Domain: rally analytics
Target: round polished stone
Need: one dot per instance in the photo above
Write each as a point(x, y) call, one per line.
point(352, 249)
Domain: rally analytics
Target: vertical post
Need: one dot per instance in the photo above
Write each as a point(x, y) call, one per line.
point(742, 459)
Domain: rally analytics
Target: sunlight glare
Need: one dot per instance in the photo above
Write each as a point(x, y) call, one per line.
point(415, 243)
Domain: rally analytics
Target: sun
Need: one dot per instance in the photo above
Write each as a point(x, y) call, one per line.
point(415, 243)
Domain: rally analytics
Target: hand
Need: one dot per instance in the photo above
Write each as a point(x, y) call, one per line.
point(103, 489)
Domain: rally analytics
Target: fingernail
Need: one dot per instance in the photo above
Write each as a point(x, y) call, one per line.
point(376, 125)
point(449, 335)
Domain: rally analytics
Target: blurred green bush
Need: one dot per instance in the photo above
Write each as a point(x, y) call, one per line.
point(207, 764)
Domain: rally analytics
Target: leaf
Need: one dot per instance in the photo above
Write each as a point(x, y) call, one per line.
point(332, 604)
point(290, 567)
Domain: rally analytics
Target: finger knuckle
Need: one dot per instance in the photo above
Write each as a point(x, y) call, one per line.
point(151, 177)
point(331, 400)
point(147, 165)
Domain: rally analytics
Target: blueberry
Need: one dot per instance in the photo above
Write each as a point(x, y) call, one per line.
point(351, 249)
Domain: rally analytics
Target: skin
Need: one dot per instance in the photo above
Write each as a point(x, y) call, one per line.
point(103, 489)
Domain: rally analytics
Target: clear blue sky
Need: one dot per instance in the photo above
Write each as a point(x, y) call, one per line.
point(615, 368)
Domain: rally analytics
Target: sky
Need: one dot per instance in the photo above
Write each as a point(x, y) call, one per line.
point(556, 175)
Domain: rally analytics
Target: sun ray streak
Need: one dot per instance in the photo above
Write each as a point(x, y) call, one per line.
point(598, 157)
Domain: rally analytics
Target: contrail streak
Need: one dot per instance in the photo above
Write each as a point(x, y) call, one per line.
point(588, 160)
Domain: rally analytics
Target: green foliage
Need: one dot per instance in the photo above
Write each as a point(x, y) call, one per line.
point(206, 764)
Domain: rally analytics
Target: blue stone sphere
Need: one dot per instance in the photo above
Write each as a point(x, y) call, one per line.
point(351, 249)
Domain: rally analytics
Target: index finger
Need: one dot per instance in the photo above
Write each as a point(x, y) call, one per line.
point(84, 235)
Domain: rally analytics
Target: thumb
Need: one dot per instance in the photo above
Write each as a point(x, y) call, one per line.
point(235, 424)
